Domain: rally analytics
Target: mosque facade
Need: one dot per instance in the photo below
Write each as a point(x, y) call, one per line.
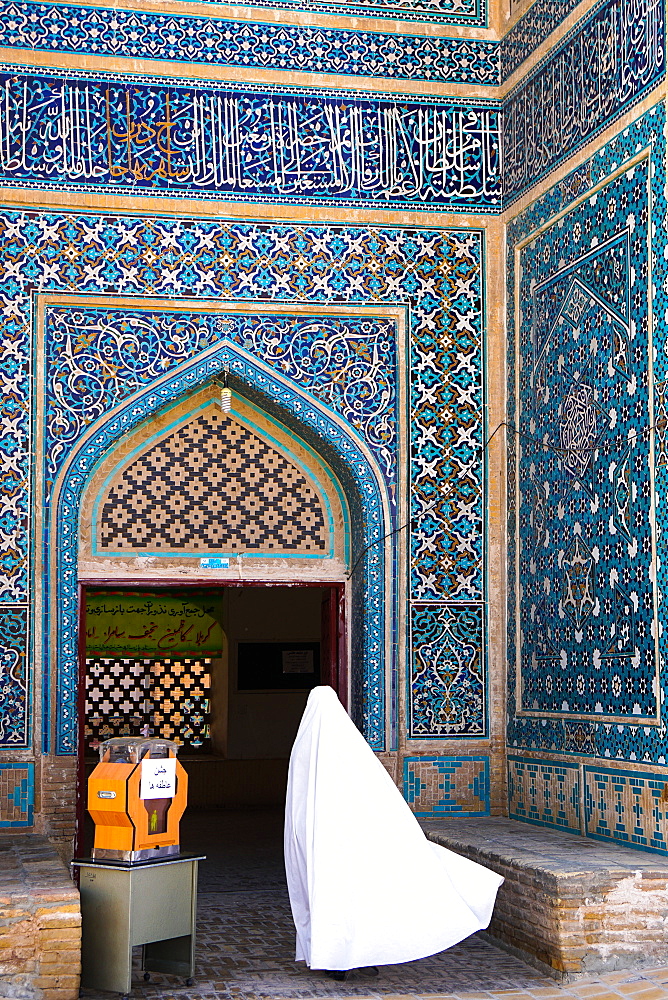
point(424, 246)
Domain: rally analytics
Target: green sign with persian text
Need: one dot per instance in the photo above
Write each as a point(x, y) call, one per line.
point(133, 623)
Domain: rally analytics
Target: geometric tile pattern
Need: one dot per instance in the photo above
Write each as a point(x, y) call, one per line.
point(345, 455)
point(626, 807)
point(117, 699)
point(466, 12)
point(180, 695)
point(542, 17)
point(580, 737)
point(212, 484)
point(545, 793)
point(252, 263)
point(214, 41)
point(583, 498)
point(448, 493)
point(661, 423)
point(348, 363)
point(575, 92)
point(17, 794)
point(585, 491)
point(447, 786)
point(466, 518)
point(266, 144)
point(630, 807)
point(162, 698)
point(471, 12)
point(142, 34)
point(347, 460)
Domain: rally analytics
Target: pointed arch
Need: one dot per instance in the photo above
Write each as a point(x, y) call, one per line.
point(196, 481)
point(372, 592)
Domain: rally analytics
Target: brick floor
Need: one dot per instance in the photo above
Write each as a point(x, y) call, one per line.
point(245, 940)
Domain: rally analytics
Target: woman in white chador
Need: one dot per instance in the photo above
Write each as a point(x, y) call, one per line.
point(366, 886)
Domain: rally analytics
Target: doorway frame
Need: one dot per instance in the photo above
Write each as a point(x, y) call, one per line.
point(337, 676)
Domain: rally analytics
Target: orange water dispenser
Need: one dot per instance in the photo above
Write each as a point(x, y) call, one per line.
point(137, 795)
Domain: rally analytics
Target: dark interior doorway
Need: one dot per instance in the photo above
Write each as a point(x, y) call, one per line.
point(224, 671)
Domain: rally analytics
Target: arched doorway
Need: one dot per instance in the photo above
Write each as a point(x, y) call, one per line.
point(367, 566)
point(213, 559)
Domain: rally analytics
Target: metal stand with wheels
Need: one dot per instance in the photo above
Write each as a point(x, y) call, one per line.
point(152, 904)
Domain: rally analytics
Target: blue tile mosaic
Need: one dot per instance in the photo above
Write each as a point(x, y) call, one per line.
point(464, 12)
point(602, 68)
point(585, 510)
point(224, 261)
point(629, 807)
point(141, 34)
point(545, 793)
point(130, 135)
point(448, 496)
point(348, 364)
point(582, 448)
point(17, 794)
point(15, 707)
point(542, 17)
point(447, 786)
point(446, 671)
point(624, 806)
point(345, 453)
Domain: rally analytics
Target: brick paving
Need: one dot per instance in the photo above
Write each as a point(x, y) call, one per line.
point(245, 940)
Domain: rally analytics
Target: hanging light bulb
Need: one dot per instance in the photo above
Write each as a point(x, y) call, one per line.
point(225, 395)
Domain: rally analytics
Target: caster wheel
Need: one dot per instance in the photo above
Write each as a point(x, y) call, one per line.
point(147, 977)
point(190, 981)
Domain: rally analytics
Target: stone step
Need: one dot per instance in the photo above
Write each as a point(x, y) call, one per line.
point(569, 906)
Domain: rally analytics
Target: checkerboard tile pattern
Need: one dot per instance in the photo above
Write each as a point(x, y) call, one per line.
point(170, 696)
point(17, 794)
point(447, 786)
point(547, 794)
point(210, 485)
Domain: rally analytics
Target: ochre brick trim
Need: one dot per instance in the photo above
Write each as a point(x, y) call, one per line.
point(56, 802)
point(40, 922)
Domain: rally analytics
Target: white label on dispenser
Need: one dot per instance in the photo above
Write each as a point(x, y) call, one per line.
point(158, 778)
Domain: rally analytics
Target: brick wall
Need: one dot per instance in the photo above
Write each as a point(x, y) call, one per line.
point(40, 923)
point(56, 804)
point(568, 905)
point(583, 923)
point(498, 777)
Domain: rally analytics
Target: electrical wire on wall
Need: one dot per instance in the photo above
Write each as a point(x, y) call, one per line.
point(540, 445)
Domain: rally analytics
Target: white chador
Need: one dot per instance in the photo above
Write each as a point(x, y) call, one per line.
point(366, 886)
